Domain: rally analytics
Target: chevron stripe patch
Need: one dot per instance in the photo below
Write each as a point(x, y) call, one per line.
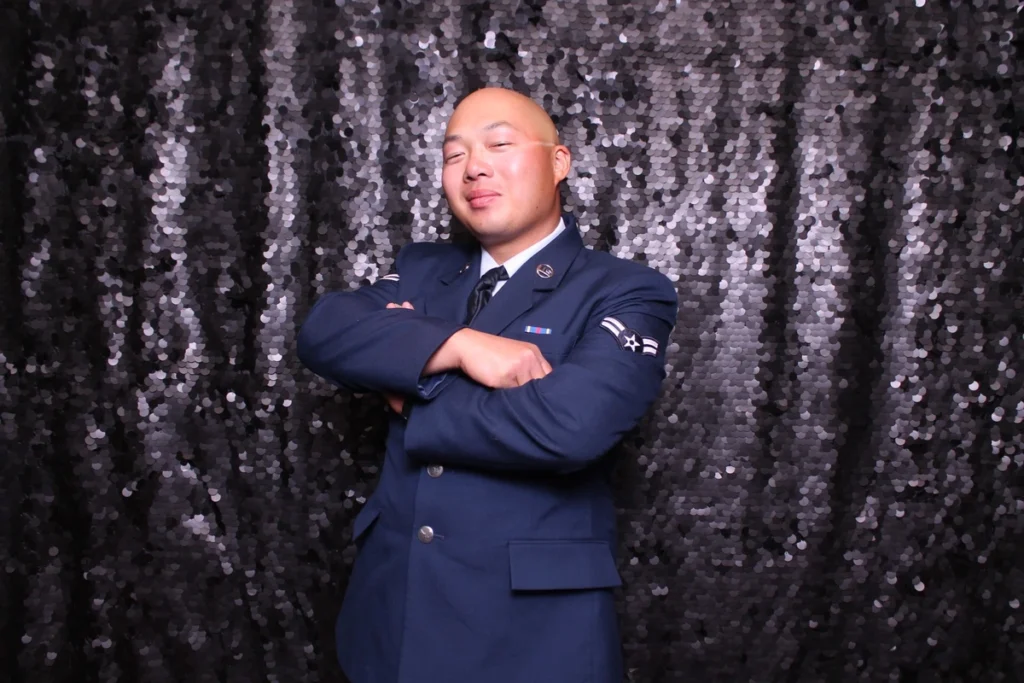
point(630, 340)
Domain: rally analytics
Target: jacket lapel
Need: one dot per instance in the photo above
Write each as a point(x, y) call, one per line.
point(541, 274)
point(449, 300)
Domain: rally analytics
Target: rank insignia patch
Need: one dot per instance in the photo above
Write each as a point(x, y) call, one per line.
point(630, 340)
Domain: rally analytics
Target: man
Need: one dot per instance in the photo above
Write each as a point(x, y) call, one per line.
point(486, 550)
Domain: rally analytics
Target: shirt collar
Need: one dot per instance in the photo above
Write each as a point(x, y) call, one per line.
point(516, 262)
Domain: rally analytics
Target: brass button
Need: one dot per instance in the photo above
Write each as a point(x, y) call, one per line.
point(435, 471)
point(425, 534)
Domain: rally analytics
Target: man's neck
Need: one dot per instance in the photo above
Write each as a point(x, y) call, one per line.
point(504, 251)
point(516, 261)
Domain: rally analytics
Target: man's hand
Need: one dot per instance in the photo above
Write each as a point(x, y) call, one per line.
point(488, 359)
point(496, 362)
point(396, 402)
point(404, 304)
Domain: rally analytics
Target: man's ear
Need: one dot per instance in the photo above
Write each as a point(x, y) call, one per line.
point(561, 160)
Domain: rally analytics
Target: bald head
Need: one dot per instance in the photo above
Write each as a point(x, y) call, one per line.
point(511, 107)
point(502, 166)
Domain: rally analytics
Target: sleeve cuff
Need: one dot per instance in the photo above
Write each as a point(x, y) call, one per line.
point(407, 371)
point(431, 386)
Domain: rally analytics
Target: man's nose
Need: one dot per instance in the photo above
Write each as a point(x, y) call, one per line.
point(476, 166)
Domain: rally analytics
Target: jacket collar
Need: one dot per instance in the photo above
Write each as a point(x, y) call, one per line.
point(543, 272)
point(563, 249)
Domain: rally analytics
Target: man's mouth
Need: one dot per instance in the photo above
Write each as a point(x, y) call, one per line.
point(478, 199)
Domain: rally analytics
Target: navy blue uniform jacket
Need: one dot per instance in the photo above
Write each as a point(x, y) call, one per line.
point(486, 552)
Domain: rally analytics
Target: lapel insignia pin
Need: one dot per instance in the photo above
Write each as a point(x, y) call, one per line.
point(545, 271)
point(530, 329)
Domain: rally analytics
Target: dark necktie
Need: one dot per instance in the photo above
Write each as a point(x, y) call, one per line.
point(483, 291)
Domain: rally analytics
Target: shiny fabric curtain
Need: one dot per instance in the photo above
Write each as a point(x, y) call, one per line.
point(830, 488)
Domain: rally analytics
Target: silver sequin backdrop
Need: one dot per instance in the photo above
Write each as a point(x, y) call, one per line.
point(831, 487)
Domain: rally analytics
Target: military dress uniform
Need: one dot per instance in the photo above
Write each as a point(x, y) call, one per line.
point(486, 552)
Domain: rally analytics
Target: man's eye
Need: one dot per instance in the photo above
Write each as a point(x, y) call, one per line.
point(501, 144)
point(452, 157)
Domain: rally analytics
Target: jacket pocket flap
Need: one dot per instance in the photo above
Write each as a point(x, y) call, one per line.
point(363, 520)
point(562, 565)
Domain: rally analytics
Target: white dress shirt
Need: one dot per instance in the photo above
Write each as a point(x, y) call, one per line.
point(516, 262)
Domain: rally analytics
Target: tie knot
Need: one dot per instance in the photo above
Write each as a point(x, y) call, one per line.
point(483, 291)
point(493, 277)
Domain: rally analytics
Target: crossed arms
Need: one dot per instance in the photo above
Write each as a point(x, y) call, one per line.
point(487, 402)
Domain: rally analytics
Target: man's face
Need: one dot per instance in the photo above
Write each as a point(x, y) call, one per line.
point(502, 168)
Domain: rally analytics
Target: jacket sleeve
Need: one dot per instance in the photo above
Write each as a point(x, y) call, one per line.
point(571, 417)
point(352, 339)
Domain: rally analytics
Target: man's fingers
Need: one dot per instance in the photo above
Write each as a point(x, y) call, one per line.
point(544, 369)
point(406, 304)
point(538, 368)
point(396, 402)
point(500, 363)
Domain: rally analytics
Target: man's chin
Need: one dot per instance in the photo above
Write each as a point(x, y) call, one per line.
point(485, 230)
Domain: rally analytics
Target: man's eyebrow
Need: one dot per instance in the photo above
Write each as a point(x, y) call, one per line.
point(489, 126)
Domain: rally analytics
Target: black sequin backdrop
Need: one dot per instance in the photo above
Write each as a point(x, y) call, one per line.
point(830, 488)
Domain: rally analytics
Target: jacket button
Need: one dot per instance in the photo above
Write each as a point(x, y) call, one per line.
point(425, 534)
point(435, 471)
